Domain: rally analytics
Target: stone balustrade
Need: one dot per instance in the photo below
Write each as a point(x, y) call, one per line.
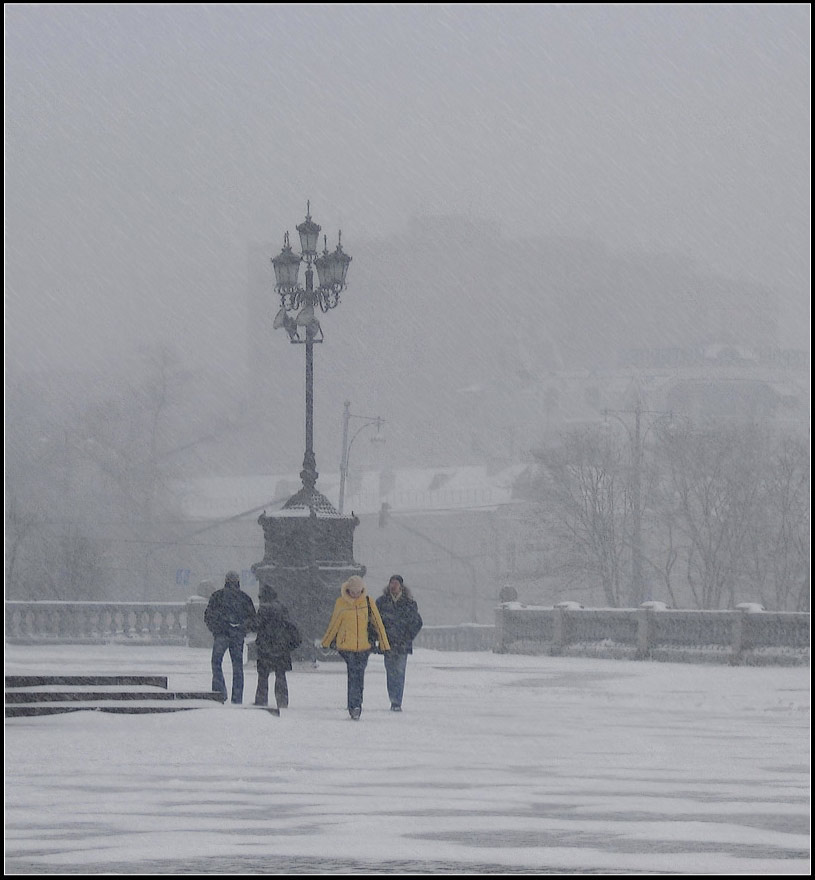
point(736, 637)
point(153, 622)
point(464, 637)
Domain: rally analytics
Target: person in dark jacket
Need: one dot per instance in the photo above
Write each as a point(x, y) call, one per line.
point(400, 614)
point(277, 637)
point(230, 614)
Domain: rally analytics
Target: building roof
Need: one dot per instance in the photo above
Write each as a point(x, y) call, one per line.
point(472, 487)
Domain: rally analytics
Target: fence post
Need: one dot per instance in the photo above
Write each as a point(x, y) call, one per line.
point(558, 630)
point(645, 632)
point(198, 636)
point(498, 645)
point(737, 639)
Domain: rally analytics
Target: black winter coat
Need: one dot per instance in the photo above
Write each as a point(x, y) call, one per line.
point(277, 636)
point(230, 611)
point(402, 621)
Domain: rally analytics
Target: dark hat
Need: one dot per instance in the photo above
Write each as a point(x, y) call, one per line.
point(232, 578)
point(397, 577)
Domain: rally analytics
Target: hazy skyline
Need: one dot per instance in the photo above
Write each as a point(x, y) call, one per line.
point(148, 146)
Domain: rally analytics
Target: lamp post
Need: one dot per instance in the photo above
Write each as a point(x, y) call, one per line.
point(308, 544)
point(636, 439)
point(369, 421)
point(332, 269)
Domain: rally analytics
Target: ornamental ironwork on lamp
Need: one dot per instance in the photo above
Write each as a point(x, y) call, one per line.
point(304, 328)
point(332, 269)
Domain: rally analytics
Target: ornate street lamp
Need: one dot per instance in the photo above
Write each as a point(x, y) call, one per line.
point(332, 269)
point(309, 545)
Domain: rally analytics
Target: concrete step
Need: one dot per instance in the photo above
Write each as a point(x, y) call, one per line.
point(30, 695)
point(24, 696)
point(60, 709)
point(19, 681)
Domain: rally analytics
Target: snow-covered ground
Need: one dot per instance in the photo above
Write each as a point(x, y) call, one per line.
point(498, 763)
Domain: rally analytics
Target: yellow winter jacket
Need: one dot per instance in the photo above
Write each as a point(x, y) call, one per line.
point(349, 623)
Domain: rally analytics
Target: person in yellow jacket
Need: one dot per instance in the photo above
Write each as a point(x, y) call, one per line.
point(348, 628)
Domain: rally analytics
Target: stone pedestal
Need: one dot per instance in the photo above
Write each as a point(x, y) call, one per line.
point(309, 553)
point(198, 636)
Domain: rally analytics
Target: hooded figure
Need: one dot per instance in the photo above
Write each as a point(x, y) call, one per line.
point(402, 620)
point(348, 629)
point(277, 637)
point(229, 615)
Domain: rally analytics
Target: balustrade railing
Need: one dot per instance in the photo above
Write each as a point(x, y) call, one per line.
point(153, 622)
point(464, 637)
point(738, 636)
point(173, 623)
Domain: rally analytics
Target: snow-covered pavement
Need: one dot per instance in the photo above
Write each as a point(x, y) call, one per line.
point(498, 763)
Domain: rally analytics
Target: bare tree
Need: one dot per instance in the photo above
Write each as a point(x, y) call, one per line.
point(50, 559)
point(90, 478)
point(712, 489)
point(583, 493)
point(725, 513)
point(777, 557)
point(127, 437)
point(21, 524)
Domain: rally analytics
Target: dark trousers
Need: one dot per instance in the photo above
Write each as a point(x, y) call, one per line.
point(356, 661)
point(281, 687)
point(234, 644)
point(395, 665)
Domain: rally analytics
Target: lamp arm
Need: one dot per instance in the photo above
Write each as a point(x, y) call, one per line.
point(356, 434)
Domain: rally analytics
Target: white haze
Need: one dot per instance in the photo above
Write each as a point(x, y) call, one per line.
point(148, 145)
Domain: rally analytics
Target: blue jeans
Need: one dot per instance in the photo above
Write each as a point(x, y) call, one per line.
point(395, 665)
point(281, 687)
point(234, 643)
point(356, 661)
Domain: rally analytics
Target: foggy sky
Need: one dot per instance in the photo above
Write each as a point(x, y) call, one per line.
point(148, 145)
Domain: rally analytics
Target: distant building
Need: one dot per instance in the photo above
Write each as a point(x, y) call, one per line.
point(436, 527)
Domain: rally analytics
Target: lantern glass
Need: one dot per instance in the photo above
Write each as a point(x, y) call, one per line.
point(308, 231)
point(341, 261)
point(286, 267)
point(324, 267)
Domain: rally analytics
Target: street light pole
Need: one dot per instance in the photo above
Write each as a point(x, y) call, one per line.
point(332, 269)
point(346, 446)
point(638, 586)
point(308, 545)
point(309, 473)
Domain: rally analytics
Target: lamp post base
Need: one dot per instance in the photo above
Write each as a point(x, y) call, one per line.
point(309, 554)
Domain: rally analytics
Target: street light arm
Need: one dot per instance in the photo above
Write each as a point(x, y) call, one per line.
point(377, 422)
point(346, 446)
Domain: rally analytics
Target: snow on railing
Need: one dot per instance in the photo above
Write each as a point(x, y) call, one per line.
point(151, 622)
point(744, 635)
point(463, 637)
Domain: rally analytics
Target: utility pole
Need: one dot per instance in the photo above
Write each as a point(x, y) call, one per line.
point(637, 584)
point(636, 440)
